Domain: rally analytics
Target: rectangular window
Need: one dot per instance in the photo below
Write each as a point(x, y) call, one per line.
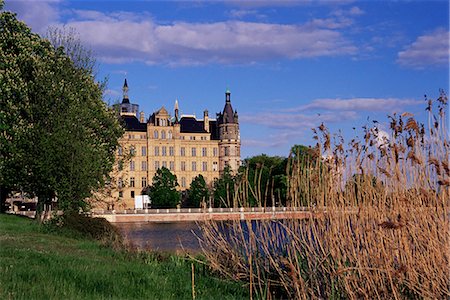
point(120, 183)
point(156, 151)
point(183, 166)
point(156, 165)
point(132, 194)
point(164, 164)
point(204, 151)
point(183, 181)
point(120, 194)
point(144, 182)
point(133, 151)
point(144, 166)
point(194, 166)
point(182, 151)
point(194, 151)
point(215, 166)
point(120, 150)
point(227, 151)
point(144, 151)
point(132, 165)
point(205, 166)
point(131, 181)
point(171, 151)
point(215, 151)
point(163, 150)
point(172, 166)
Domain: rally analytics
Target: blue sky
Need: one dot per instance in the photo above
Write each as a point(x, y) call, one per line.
point(289, 65)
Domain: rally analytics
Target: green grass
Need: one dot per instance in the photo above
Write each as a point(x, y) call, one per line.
point(37, 264)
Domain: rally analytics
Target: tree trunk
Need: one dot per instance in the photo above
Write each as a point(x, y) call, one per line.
point(3, 195)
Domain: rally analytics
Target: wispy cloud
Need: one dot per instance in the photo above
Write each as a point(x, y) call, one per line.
point(243, 13)
point(296, 121)
point(431, 49)
point(389, 105)
point(285, 124)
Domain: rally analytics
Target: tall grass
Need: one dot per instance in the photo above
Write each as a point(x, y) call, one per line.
point(382, 224)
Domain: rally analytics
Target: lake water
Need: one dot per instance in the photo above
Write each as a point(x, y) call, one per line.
point(179, 236)
point(166, 237)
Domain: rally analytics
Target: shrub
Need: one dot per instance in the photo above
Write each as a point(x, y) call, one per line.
point(85, 226)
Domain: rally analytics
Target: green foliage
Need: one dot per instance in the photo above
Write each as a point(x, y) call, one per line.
point(163, 192)
point(224, 189)
point(198, 192)
point(58, 137)
point(86, 227)
point(266, 180)
point(40, 265)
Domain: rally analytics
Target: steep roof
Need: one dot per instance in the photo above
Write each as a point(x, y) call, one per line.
point(131, 123)
point(228, 114)
point(190, 124)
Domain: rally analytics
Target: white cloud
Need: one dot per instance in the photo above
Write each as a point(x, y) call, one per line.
point(389, 105)
point(35, 13)
point(123, 38)
point(428, 50)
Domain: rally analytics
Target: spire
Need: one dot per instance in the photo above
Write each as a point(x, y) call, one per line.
point(125, 92)
point(176, 111)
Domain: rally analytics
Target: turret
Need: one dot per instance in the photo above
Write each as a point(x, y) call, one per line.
point(229, 138)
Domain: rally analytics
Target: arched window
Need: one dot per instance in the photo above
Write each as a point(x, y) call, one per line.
point(155, 134)
point(169, 135)
point(163, 134)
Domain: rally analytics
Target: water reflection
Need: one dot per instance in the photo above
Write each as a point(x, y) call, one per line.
point(170, 237)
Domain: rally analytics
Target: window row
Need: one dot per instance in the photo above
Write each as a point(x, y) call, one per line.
point(162, 134)
point(170, 151)
point(183, 151)
point(132, 183)
point(170, 166)
point(132, 151)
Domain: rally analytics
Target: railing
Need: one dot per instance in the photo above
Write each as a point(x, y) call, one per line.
point(269, 209)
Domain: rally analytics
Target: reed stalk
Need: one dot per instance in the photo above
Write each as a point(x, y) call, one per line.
point(383, 230)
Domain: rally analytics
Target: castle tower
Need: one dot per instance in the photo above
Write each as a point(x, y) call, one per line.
point(229, 137)
point(126, 108)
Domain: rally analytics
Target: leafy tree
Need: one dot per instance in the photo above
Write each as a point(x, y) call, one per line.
point(224, 189)
point(198, 192)
point(163, 191)
point(58, 137)
point(265, 178)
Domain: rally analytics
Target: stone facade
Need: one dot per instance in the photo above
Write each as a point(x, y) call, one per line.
point(185, 145)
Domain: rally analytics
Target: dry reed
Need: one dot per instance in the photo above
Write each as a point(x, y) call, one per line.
point(384, 231)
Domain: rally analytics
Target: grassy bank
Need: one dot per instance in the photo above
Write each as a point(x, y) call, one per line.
point(38, 264)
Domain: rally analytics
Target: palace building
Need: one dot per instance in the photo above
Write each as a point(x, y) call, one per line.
point(185, 145)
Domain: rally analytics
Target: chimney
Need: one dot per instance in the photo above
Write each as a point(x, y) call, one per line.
point(142, 117)
point(206, 120)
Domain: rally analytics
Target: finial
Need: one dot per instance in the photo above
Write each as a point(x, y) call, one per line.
point(176, 104)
